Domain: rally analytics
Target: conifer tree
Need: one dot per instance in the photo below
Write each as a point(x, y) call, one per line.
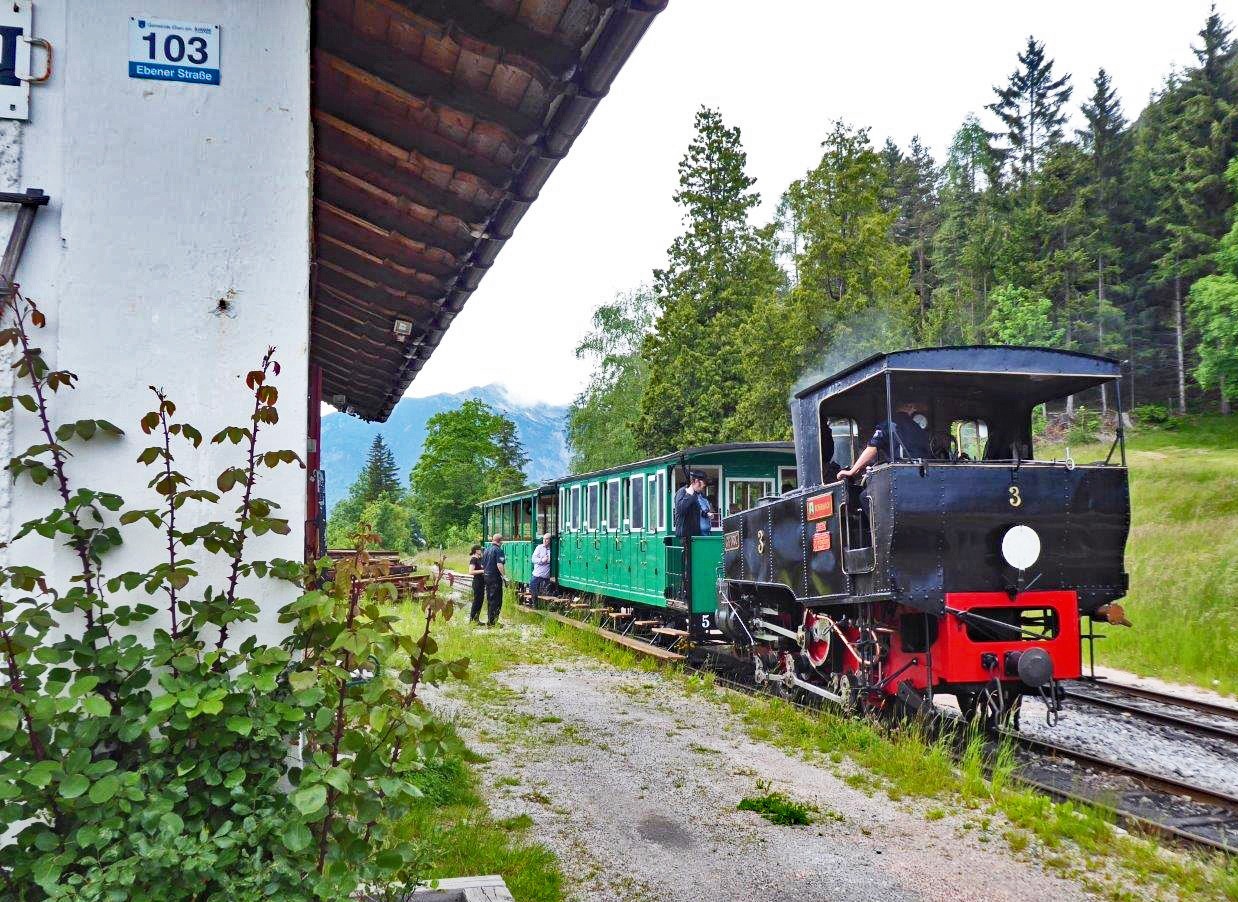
point(852, 297)
point(380, 476)
point(914, 181)
point(1213, 312)
point(716, 269)
point(1106, 143)
point(966, 242)
point(1031, 107)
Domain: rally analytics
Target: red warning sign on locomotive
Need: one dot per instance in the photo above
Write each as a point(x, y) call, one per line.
point(821, 541)
point(820, 506)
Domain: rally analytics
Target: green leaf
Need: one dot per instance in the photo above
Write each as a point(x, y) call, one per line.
point(241, 725)
point(162, 703)
point(337, 777)
point(301, 679)
point(28, 402)
point(96, 705)
point(309, 799)
point(82, 685)
point(104, 789)
point(297, 836)
point(171, 822)
point(74, 785)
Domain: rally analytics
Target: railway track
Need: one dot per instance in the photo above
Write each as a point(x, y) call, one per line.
point(1152, 803)
point(1190, 715)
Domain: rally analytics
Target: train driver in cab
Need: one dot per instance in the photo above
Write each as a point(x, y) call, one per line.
point(911, 440)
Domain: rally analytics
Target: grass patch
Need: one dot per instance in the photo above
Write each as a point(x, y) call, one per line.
point(1183, 596)
point(778, 808)
point(452, 828)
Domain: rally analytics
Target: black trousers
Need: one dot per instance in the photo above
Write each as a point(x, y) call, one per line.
point(479, 595)
point(494, 599)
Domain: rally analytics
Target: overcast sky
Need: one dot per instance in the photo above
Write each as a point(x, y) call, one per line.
point(782, 70)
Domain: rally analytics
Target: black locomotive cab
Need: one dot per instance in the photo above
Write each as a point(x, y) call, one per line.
point(959, 560)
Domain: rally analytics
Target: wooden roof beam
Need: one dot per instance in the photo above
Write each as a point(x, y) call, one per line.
point(340, 189)
point(341, 143)
point(427, 259)
point(407, 134)
point(411, 83)
point(492, 27)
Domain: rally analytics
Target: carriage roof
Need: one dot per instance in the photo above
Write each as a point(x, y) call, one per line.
point(1030, 375)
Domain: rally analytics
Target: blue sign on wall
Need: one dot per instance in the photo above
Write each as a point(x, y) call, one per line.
point(173, 51)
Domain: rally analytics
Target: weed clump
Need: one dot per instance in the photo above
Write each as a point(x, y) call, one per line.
point(778, 808)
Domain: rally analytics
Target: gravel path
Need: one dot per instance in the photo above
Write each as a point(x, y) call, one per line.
point(634, 784)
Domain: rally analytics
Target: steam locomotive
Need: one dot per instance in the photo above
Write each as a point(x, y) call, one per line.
point(970, 568)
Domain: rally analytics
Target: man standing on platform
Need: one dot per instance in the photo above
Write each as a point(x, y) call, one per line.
point(540, 583)
point(494, 568)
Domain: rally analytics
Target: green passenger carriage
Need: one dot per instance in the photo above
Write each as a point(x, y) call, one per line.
point(613, 532)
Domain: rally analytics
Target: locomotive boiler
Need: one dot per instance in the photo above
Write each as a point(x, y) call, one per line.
point(967, 564)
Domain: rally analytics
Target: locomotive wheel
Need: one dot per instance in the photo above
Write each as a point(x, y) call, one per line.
point(846, 685)
point(782, 678)
point(990, 710)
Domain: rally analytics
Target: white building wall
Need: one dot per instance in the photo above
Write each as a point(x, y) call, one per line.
point(166, 199)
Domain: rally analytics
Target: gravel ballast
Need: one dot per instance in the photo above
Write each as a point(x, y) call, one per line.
point(634, 784)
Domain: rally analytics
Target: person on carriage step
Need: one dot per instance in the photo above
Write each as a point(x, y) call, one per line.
point(540, 583)
point(688, 513)
point(911, 441)
point(494, 568)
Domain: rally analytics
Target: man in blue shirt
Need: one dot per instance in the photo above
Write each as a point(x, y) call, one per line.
point(540, 583)
point(911, 441)
point(494, 569)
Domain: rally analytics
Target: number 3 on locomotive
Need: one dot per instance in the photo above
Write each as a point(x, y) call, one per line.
point(1016, 500)
point(760, 541)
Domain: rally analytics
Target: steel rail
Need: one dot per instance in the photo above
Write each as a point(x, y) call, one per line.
point(1201, 727)
point(1148, 781)
point(1164, 698)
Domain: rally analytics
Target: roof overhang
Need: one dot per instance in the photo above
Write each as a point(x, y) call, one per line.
point(436, 123)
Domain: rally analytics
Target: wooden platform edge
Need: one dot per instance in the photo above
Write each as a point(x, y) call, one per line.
point(635, 645)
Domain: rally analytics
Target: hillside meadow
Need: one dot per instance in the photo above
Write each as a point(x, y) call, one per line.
point(1182, 555)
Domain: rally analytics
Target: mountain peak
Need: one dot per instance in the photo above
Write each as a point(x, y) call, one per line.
point(345, 438)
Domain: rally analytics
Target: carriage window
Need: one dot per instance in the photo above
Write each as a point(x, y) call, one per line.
point(591, 518)
point(612, 504)
point(970, 437)
point(742, 494)
point(657, 502)
point(788, 479)
point(575, 507)
point(526, 519)
point(636, 503)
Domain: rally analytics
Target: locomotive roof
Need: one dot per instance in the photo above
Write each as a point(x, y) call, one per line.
point(1036, 374)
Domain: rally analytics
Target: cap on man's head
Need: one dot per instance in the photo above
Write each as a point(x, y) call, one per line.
point(694, 475)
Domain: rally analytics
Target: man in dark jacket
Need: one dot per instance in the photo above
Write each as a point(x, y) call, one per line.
point(494, 569)
point(911, 441)
point(688, 506)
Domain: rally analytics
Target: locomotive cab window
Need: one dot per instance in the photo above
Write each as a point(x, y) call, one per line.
point(968, 439)
point(788, 480)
